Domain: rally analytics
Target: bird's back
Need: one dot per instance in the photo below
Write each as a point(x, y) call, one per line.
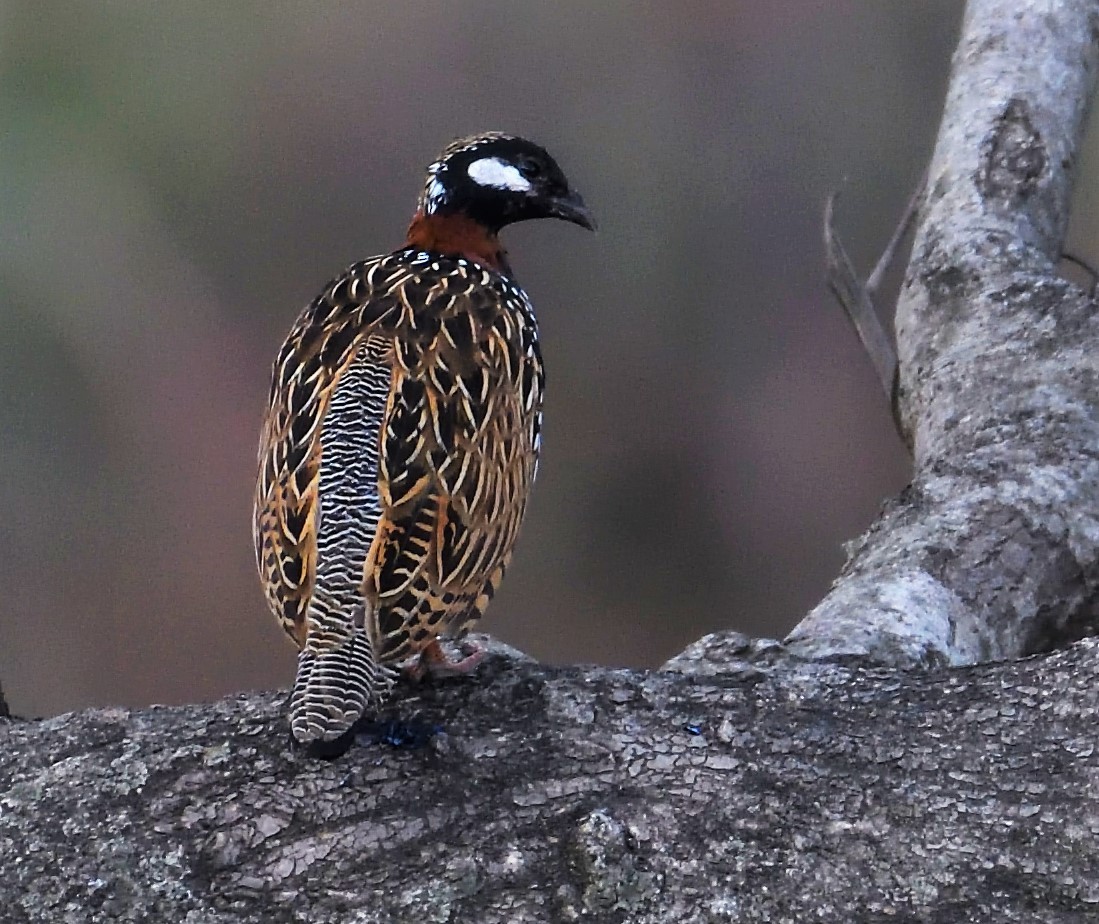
point(424, 432)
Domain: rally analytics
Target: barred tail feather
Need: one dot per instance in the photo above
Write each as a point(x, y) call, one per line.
point(337, 681)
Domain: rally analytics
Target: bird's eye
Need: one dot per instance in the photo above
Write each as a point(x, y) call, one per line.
point(531, 167)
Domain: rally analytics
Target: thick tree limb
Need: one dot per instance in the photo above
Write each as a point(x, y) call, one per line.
point(777, 792)
point(993, 550)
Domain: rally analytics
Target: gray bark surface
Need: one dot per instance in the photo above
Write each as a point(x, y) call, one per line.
point(779, 791)
point(993, 549)
point(750, 780)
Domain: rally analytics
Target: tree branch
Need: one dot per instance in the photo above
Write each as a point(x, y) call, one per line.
point(993, 550)
point(779, 792)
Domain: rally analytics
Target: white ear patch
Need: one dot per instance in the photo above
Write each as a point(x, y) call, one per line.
point(491, 171)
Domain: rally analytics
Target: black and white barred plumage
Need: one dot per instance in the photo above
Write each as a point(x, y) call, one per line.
point(402, 437)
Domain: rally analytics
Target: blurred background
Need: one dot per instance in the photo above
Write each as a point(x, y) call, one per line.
point(177, 180)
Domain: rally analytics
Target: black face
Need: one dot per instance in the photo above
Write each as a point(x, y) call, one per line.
point(498, 179)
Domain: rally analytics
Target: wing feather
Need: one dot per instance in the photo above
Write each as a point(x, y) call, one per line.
point(458, 458)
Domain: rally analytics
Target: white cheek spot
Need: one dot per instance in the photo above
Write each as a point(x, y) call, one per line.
point(491, 171)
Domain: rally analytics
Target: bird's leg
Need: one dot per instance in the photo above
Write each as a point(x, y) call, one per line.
point(433, 662)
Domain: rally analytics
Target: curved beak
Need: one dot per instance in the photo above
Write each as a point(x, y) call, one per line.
point(571, 207)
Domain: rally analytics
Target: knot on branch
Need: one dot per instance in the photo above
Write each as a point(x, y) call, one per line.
point(1013, 157)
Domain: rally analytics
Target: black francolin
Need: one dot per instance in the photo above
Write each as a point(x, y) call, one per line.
point(402, 438)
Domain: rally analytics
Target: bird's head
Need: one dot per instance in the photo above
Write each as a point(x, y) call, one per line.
point(496, 180)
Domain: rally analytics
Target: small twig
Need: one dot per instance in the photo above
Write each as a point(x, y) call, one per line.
point(855, 301)
point(857, 298)
point(1087, 268)
point(874, 280)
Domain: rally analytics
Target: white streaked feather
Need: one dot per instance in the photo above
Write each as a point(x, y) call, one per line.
point(434, 195)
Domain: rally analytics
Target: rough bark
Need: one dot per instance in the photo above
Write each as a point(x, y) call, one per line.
point(744, 783)
point(778, 791)
point(993, 549)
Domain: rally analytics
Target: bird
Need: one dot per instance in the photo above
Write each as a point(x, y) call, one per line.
point(401, 439)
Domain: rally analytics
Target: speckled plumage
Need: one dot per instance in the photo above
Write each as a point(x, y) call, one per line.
point(396, 459)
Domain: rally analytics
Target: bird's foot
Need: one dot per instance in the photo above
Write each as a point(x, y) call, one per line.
point(434, 663)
